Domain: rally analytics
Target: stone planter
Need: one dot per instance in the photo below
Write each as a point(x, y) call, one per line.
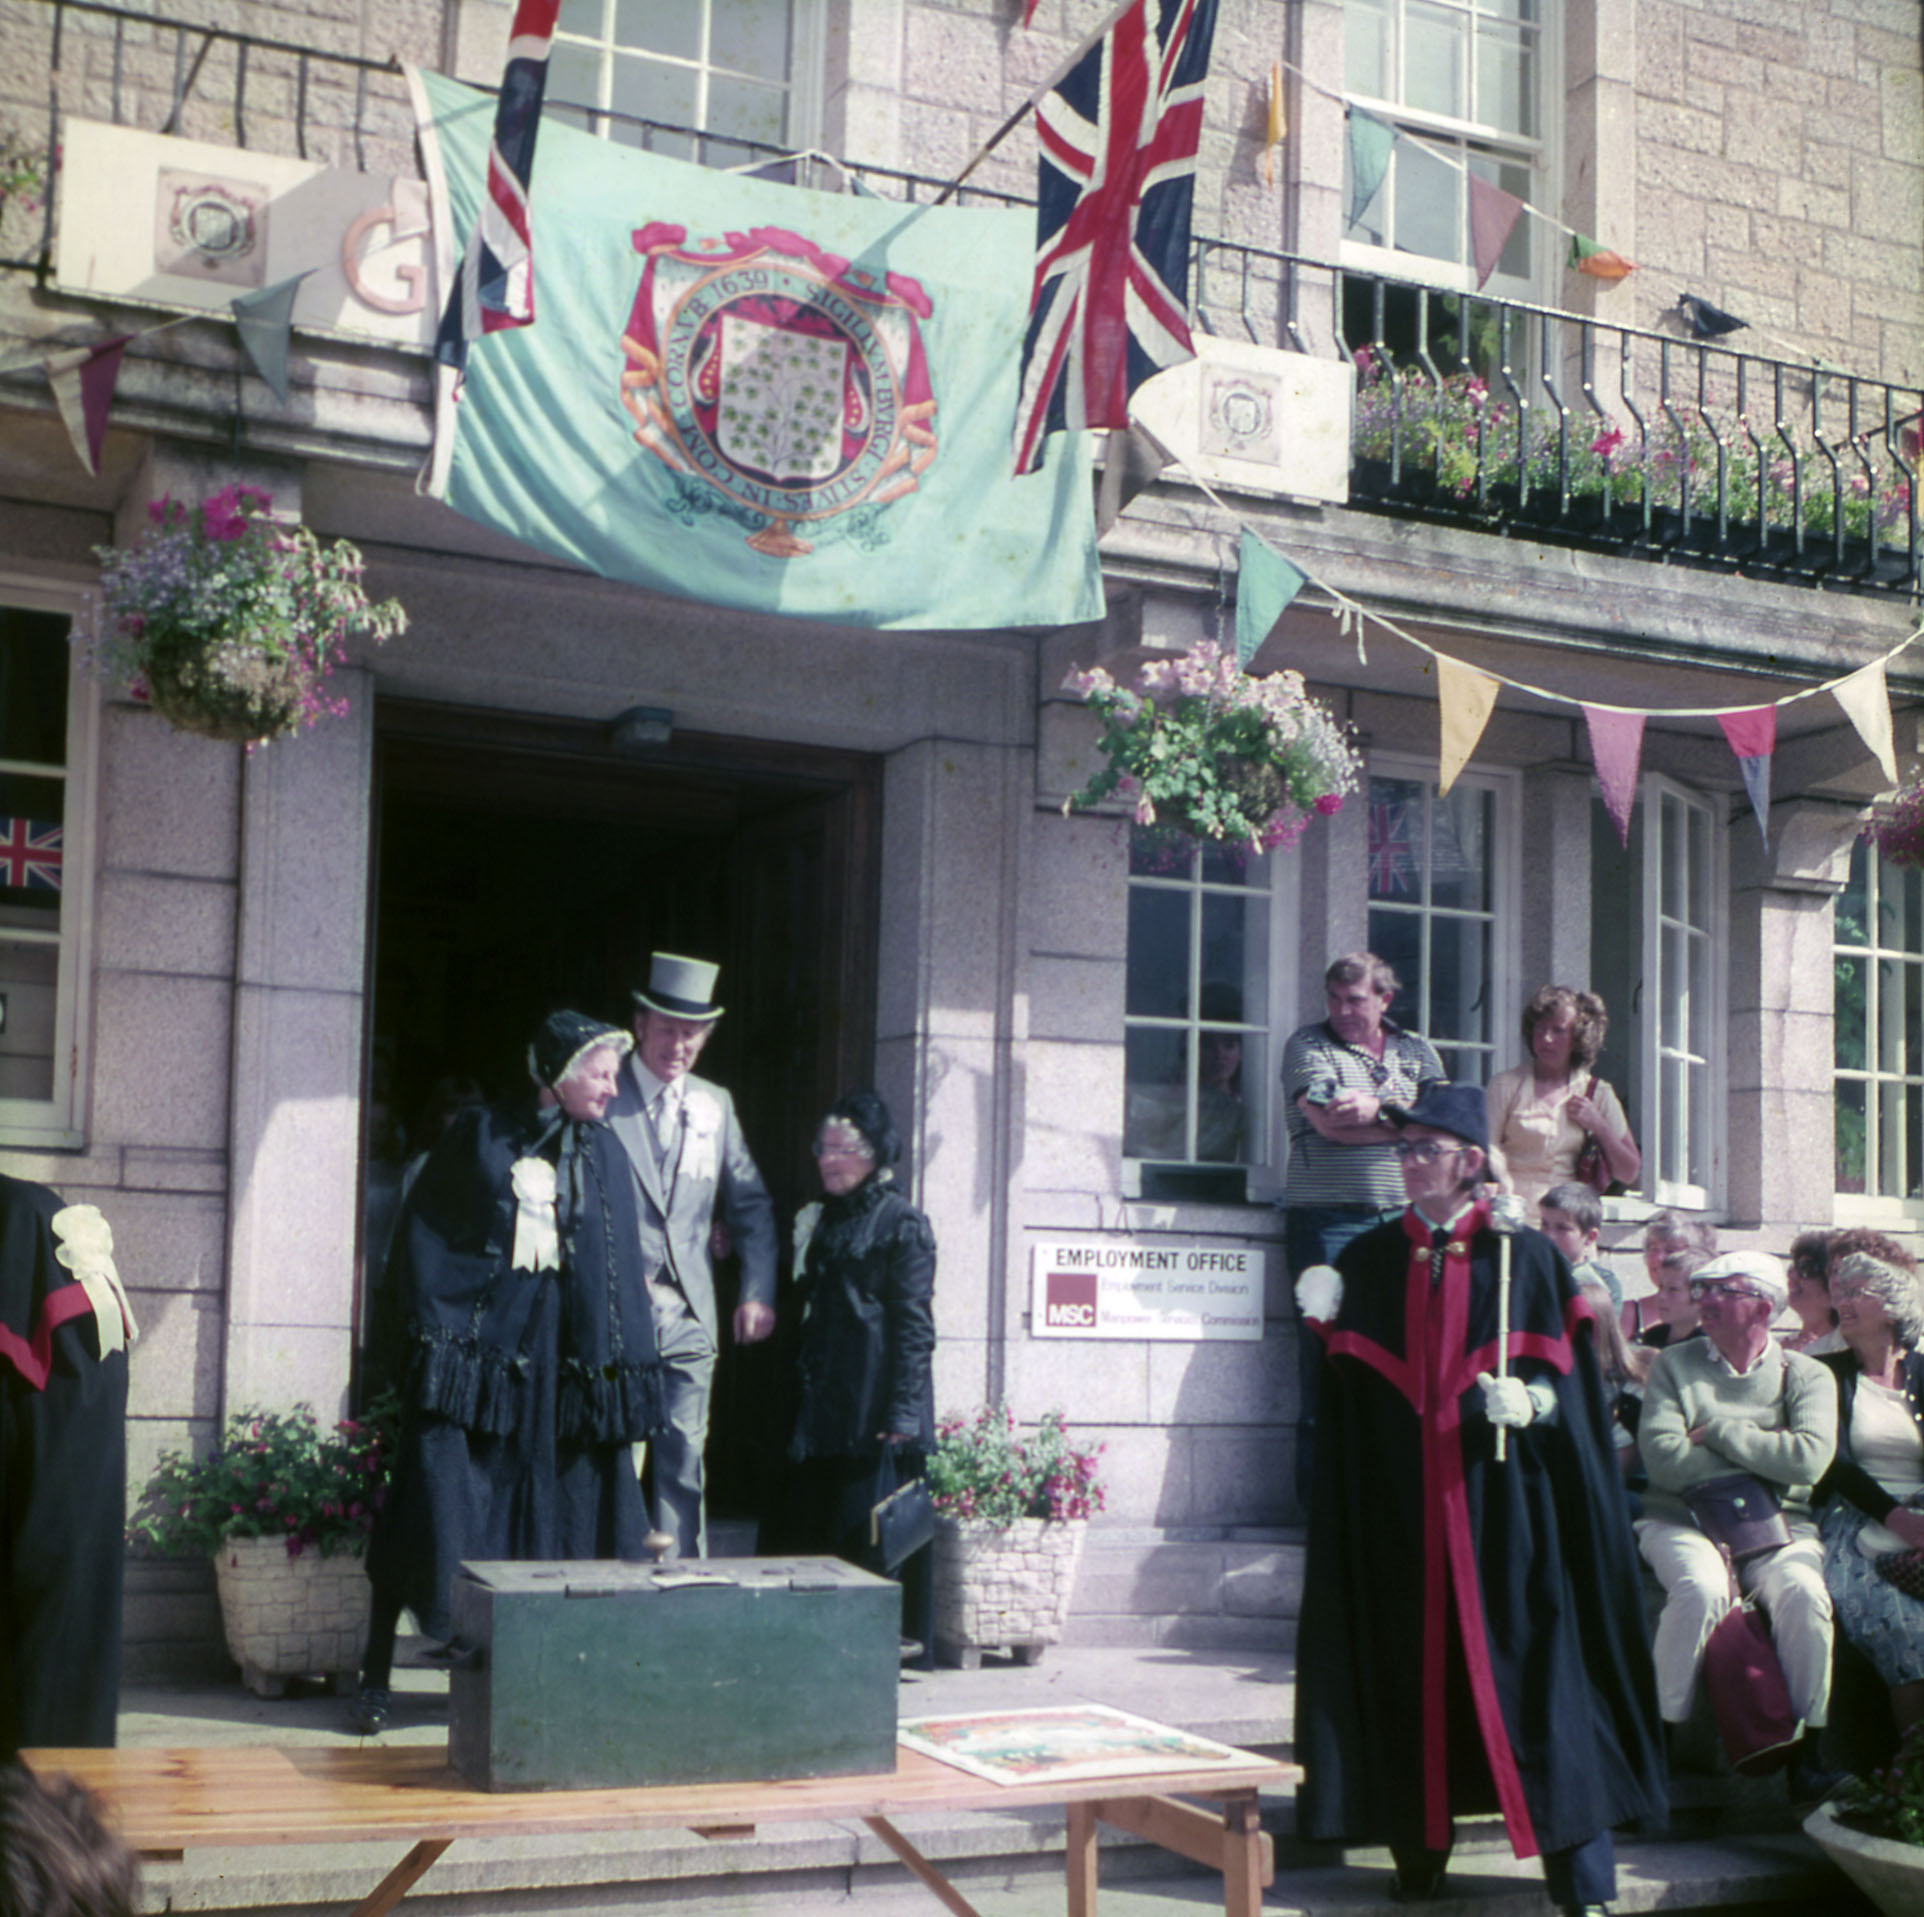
point(1002, 1587)
point(1891, 1875)
point(292, 1617)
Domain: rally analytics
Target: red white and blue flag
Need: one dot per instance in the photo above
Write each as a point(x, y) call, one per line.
point(31, 854)
point(495, 287)
point(1117, 138)
point(1392, 858)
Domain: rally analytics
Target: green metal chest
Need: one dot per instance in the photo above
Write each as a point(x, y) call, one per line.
point(599, 1675)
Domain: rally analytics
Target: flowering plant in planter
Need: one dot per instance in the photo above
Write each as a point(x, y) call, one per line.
point(275, 1474)
point(1889, 1803)
point(1199, 744)
point(1899, 831)
point(985, 1467)
point(229, 622)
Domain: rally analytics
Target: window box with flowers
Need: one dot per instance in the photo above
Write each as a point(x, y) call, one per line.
point(229, 622)
point(1011, 1510)
point(1199, 746)
point(284, 1511)
point(1873, 1830)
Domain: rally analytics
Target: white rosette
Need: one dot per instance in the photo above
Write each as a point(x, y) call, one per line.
point(537, 1243)
point(84, 1243)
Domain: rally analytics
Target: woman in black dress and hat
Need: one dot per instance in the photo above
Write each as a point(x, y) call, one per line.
point(865, 1288)
point(530, 1365)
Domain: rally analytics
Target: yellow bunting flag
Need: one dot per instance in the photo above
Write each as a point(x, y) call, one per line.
point(1867, 704)
point(1277, 126)
point(1466, 697)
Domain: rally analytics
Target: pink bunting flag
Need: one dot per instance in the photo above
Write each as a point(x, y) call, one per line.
point(83, 388)
point(1616, 747)
point(1493, 216)
point(1753, 737)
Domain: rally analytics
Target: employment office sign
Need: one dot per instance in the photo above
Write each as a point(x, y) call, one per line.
point(1144, 1288)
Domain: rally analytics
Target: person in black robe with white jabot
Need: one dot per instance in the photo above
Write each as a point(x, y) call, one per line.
point(529, 1364)
point(1472, 1635)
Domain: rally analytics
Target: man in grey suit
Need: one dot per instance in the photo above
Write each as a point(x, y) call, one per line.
point(691, 1164)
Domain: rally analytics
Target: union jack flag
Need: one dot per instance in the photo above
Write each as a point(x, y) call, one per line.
point(31, 854)
point(495, 287)
point(1117, 138)
point(1392, 858)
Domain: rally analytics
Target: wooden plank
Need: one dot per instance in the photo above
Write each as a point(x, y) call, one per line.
point(925, 1872)
point(1183, 1828)
point(403, 1877)
point(1249, 1858)
point(1083, 1866)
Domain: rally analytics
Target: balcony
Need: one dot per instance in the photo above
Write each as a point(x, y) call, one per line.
point(1518, 421)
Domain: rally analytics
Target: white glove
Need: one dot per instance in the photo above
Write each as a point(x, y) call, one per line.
point(1506, 1401)
point(1319, 1293)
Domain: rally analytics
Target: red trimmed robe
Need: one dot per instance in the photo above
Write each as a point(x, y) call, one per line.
point(1472, 1634)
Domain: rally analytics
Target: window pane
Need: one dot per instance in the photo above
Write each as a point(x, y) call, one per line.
point(1891, 1113)
point(1228, 1061)
point(1155, 1093)
point(1697, 1020)
point(1670, 1077)
point(674, 30)
point(1433, 59)
point(1853, 906)
point(650, 91)
point(1670, 1025)
point(1366, 48)
point(574, 76)
point(1913, 1141)
point(1506, 83)
point(1428, 203)
point(747, 110)
point(1890, 1015)
point(1160, 852)
point(1158, 967)
point(1395, 837)
point(1459, 979)
point(1910, 884)
point(32, 850)
point(580, 16)
point(1670, 854)
point(1232, 940)
point(749, 36)
point(1697, 892)
point(1460, 851)
point(29, 976)
point(1850, 1013)
point(1850, 1136)
point(33, 685)
point(1225, 864)
point(1397, 939)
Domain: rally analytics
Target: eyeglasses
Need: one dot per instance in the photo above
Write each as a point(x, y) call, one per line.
point(1721, 1288)
point(1425, 1151)
point(843, 1148)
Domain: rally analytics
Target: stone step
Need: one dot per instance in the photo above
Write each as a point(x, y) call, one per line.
point(1228, 1590)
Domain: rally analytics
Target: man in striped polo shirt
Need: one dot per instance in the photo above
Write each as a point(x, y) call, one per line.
point(1342, 1077)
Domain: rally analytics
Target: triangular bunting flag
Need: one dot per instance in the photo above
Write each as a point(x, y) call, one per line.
point(1616, 747)
point(1753, 737)
point(1706, 321)
point(1866, 701)
point(1131, 463)
point(266, 323)
point(1265, 585)
point(1276, 124)
point(83, 388)
point(1493, 215)
point(1586, 256)
point(1466, 697)
point(1370, 143)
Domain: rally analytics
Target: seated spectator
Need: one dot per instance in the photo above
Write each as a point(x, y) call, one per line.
point(1676, 1304)
point(1625, 1368)
point(1735, 1402)
point(1872, 1498)
point(1666, 1232)
point(1572, 1217)
point(1816, 1330)
point(57, 1856)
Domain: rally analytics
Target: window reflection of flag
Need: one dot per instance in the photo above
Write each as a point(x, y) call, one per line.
point(31, 854)
point(1392, 861)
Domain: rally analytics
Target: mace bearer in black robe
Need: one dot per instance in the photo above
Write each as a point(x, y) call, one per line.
point(1472, 1631)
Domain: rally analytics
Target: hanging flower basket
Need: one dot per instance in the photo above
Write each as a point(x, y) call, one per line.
point(229, 622)
point(1202, 747)
point(1899, 829)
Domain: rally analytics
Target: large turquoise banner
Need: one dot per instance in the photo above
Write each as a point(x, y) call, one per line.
point(759, 395)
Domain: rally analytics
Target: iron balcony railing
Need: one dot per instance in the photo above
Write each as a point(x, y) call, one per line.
point(1514, 419)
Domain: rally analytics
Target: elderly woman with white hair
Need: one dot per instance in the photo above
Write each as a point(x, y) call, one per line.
point(1873, 1495)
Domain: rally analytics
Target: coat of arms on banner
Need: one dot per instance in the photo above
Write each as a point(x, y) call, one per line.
point(784, 387)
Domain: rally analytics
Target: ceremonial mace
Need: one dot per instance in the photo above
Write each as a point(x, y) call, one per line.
point(1506, 1220)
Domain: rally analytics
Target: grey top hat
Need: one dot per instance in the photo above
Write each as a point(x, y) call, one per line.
point(681, 987)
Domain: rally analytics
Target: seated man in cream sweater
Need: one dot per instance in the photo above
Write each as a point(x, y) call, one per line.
point(1735, 1401)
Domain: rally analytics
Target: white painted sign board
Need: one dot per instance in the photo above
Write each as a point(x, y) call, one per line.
point(1108, 1287)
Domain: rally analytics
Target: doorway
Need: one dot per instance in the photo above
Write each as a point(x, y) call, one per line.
point(523, 864)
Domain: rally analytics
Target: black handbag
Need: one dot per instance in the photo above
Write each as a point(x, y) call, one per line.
point(902, 1520)
point(1739, 1514)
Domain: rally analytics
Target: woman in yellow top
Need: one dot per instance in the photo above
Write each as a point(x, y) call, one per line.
point(1540, 1113)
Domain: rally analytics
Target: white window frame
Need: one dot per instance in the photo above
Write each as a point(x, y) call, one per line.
point(1506, 839)
point(1542, 155)
point(808, 25)
point(1871, 1208)
point(1664, 1191)
point(1264, 1177)
point(59, 1123)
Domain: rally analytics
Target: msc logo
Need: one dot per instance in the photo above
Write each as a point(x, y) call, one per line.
point(1069, 1300)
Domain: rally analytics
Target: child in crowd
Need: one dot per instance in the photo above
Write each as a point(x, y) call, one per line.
point(1572, 1216)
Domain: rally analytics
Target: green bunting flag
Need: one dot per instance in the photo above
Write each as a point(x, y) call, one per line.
point(1265, 586)
point(1586, 256)
point(1370, 143)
